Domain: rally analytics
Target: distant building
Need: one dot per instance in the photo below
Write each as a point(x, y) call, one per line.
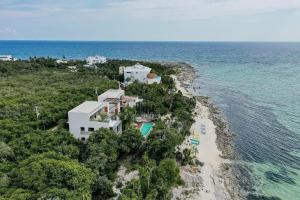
point(93, 60)
point(61, 61)
point(141, 74)
point(91, 116)
point(72, 68)
point(6, 58)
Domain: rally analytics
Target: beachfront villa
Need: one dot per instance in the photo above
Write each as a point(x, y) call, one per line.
point(141, 74)
point(91, 116)
point(93, 60)
point(6, 58)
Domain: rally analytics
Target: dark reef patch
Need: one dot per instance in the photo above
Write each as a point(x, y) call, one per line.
point(261, 197)
point(277, 177)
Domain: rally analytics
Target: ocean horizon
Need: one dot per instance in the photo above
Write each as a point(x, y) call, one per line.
point(256, 85)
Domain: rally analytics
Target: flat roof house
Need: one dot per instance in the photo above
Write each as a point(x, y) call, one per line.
point(61, 61)
point(141, 74)
point(115, 99)
point(6, 58)
point(92, 60)
point(91, 116)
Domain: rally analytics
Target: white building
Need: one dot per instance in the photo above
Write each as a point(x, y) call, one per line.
point(6, 58)
point(115, 99)
point(61, 61)
point(112, 100)
point(141, 74)
point(91, 116)
point(92, 60)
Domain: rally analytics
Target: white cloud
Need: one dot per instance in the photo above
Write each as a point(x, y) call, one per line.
point(199, 9)
point(146, 9)
point(7, 31)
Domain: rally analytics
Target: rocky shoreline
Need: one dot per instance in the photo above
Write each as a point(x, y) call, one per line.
point(186, 77)
point(224, 140)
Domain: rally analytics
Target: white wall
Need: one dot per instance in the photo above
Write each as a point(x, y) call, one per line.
point(77, 120)
point(139, 75)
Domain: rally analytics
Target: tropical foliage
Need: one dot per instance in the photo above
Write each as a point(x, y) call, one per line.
point(40, 159)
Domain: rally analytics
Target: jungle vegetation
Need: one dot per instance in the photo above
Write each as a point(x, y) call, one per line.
point(40, 159)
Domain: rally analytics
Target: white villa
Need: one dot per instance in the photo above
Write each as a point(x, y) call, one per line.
point(92, 60)
point(93, 115)
point(6, 58)
point(141, 74)
point(61, 61)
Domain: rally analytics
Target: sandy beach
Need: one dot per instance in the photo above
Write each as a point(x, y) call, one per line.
point(206, 182)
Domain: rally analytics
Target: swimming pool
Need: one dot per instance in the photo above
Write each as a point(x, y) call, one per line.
point(146, 129)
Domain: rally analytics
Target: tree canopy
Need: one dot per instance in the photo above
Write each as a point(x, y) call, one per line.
point(40, 159)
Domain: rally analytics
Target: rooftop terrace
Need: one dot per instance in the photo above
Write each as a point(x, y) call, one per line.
point(88, 107)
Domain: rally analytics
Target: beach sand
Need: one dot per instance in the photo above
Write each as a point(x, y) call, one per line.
point(207, 182)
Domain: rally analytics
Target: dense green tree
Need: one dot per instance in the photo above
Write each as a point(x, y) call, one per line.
point(102, 152)
point(6, 152)
point(161, 143)
point(53, 175)
point(154, 181)
point(60, 141)
point(130, 141)
point(132, 191)
point(102, 188)
point(128, 116)
point(100, 155)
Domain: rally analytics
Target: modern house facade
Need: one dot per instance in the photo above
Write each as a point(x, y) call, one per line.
point(91, 116)
point(112, 100)
point(115, 99)
point(141, 74)
point(104, 113)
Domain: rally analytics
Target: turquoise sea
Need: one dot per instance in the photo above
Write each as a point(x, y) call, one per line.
point(256, 86)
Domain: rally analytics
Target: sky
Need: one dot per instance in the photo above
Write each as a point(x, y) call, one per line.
point(150, 20)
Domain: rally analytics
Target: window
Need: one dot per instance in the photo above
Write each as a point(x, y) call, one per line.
point(82, 139)
point(82, 129)
point(91, 129)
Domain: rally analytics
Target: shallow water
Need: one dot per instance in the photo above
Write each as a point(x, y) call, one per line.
point(256, 85)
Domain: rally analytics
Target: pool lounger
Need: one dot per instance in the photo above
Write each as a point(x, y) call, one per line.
point(195, 141)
